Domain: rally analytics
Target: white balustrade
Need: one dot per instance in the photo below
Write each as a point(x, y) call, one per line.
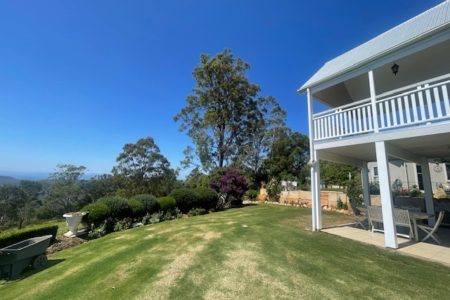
point(424, 103)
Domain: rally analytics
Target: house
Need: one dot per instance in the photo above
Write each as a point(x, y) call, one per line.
point(408, 175)
point(388, 100)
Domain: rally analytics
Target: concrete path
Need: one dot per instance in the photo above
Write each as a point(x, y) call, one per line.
point(427, 251)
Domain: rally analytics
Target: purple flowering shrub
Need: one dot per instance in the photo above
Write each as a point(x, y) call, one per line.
point(231, 185)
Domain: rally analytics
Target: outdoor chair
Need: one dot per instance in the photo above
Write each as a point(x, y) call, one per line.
point(360, 213)
point(375, 216)
point(402, 219)
point(430, 231)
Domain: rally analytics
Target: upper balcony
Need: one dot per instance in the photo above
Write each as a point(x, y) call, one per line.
point(417, 104)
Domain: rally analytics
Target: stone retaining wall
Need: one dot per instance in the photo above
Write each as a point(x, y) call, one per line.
point(328, 199)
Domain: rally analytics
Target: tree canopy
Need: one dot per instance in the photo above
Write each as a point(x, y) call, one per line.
point(64, 192)
point(288, 156)
point(226, 119)
point(143, 169)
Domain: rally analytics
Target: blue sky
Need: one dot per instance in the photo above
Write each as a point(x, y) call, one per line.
point(78, 79)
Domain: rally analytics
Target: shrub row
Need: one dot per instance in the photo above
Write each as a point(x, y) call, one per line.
point(115, 209)
point(118, 208)
point(187, 199)
point(15, 236)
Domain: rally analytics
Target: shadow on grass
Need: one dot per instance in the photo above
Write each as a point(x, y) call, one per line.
point(29, 271)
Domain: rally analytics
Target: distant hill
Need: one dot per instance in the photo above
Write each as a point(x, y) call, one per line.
point(8, 180)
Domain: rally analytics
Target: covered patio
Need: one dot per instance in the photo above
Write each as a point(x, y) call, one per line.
point(423, 250)
point(413, 146)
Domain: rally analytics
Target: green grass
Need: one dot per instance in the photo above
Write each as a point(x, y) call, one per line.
point(255, 252)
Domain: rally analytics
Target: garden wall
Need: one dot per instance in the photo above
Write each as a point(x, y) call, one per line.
point(327, 198)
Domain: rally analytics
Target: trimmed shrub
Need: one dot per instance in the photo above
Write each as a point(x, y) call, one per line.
point(118, 206)
point(207, 198)
point(15, 236)
point(98, 212)
point(251, 194)
point(185, 199)
point(150, 202)
point(137, 207)
point(167, 203)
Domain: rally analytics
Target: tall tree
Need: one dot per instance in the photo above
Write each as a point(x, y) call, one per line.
point(65, 193)
point(144, 169)
point(337, 174)
point(221, 112)
point(266, 124)
point(16, 207)
point(288, 156)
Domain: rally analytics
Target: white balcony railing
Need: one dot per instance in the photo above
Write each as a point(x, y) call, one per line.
point(424, 102)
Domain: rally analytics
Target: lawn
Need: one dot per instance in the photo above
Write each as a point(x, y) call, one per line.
point(254, 252)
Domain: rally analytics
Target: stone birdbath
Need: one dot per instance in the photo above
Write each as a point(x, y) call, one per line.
point(73, 219)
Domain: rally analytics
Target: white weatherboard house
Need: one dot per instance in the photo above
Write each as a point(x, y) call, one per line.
point(388, 100)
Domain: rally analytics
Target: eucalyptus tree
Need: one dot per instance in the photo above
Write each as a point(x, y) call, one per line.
point(143, 169)
point(64, 192)
point(224, 116)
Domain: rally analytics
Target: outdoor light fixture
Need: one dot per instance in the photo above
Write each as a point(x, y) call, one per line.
point(395, 68)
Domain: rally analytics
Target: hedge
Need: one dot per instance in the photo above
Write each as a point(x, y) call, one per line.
point(15, 236)
point(207, 198)
point(185, 199)
point(150, 202)
point(137, 208)
point(118, 206)
point(97, 213)
point(167, 203)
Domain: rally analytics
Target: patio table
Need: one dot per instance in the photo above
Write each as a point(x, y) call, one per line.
point(415, 215)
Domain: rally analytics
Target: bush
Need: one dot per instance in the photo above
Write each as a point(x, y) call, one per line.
point(374, 188)
point(231, 185)
point(185, 199)
point(150, 202)
point(251, 194)
point(124, 224)
point(15, 236)
point(153, 218)
point(197, 212)
point(167, 203)
point(414, 191)
point(341, 205)
point(100, 231)
point(98, 212)
point(354, 193)
point(137, 208)
point(274, 190)
point(118, 206)
point(44, 213)
point(207, 198)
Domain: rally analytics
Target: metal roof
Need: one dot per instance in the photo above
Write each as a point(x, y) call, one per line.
point(421, 25)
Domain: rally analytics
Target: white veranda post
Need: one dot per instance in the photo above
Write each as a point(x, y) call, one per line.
point(390, 233)
point(365, 184)
point(316, 192)
point(315, 175)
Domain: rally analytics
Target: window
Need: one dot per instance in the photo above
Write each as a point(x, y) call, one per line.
point(447, 168)
point(375, 174)
point(375, 171)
